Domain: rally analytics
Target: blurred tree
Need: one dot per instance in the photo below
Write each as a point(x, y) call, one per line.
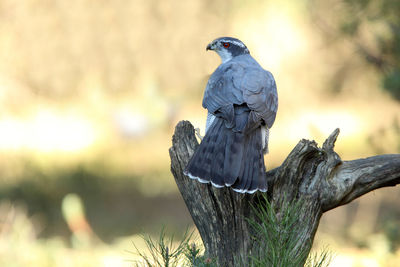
point(372, 27)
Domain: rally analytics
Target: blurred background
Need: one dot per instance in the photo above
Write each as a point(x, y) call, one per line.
point(90, 93)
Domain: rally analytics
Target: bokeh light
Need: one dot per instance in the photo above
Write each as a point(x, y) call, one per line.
point(47, 132)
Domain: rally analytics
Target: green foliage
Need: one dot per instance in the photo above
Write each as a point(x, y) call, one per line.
point(195, 258)
point(163, 252)
point(391, 82)
point(392, 233)
point(275, 244)
point(276, 236)
point(321, 259)
point(374, 28)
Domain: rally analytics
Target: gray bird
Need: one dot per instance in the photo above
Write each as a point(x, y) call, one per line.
point(242, 102)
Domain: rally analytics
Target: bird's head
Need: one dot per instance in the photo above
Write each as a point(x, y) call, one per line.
point(228, 48)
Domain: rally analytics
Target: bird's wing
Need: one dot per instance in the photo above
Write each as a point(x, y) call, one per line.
point(236, 86)
point(223, 90)
point(260, 95)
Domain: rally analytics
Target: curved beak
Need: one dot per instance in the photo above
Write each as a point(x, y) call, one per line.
point(209, 47)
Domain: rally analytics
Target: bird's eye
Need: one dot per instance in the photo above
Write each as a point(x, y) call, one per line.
point(226, 45)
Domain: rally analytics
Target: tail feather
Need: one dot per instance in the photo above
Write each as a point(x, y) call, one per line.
point(233, 156)
point(217, 166)
point(262, 181)
point(229, 158)
point(200, 165)
point(252, 174)
point(245, 173)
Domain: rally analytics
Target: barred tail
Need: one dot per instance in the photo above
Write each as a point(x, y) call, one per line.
point(228, 158)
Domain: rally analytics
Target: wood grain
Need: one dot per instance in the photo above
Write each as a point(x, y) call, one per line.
point(316, 175)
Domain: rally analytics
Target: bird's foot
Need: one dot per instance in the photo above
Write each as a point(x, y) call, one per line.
point(197, 132)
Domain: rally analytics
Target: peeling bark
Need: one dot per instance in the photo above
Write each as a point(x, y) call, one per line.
point(316, 175)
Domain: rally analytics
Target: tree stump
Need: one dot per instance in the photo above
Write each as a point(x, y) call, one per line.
point(316, 175)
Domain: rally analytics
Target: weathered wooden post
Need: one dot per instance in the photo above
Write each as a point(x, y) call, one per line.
point(316, 175)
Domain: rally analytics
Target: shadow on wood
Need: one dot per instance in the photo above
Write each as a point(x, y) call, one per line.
point(316, 175)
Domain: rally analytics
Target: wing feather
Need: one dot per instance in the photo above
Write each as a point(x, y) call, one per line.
point(242, 81)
